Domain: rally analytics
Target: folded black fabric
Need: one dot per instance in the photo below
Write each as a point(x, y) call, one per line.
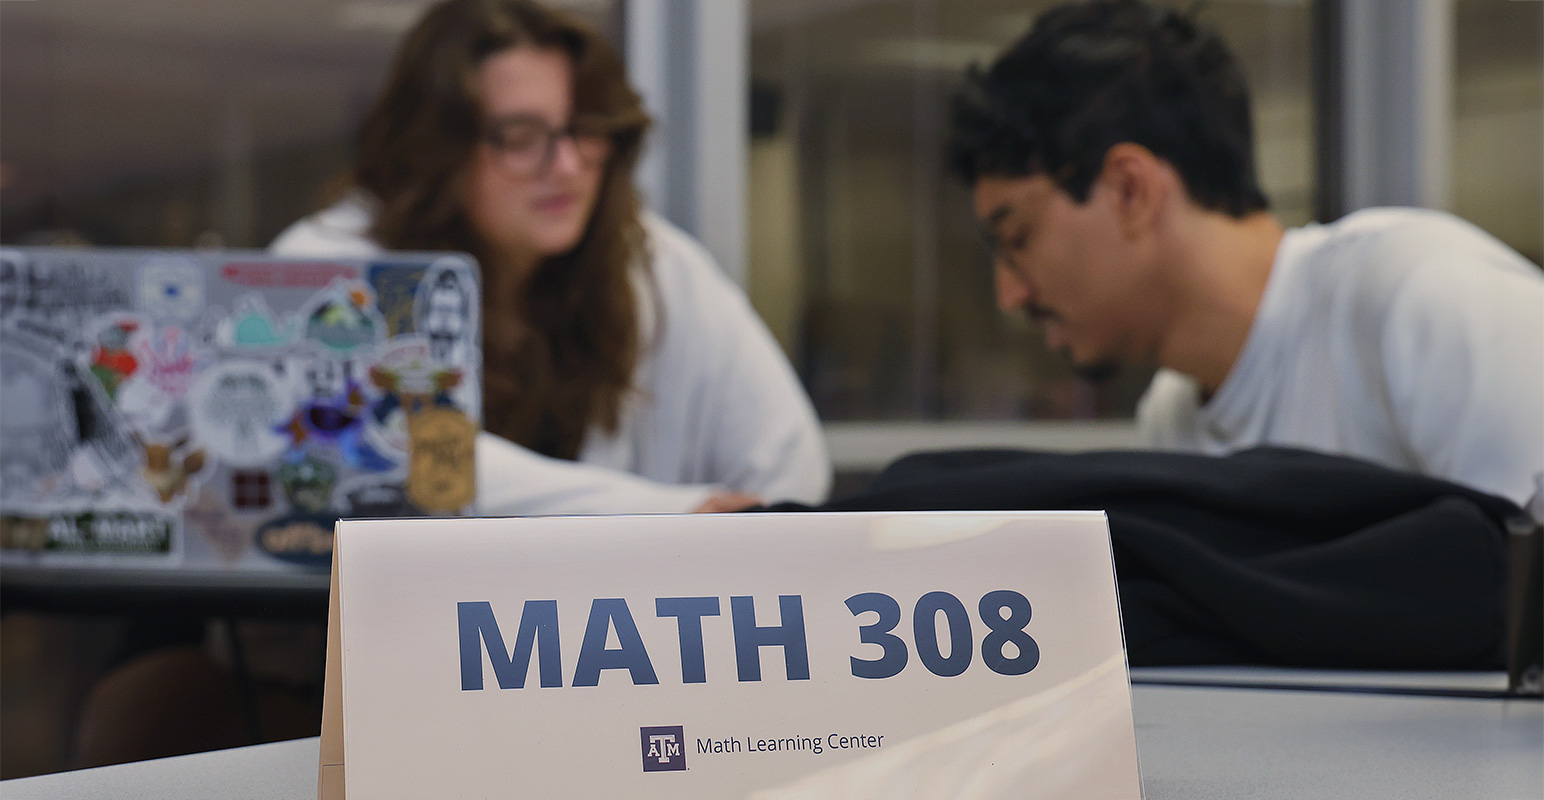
point(1267, 556)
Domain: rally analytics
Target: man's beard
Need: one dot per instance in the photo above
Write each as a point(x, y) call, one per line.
point(1092, 371)
point(1095, 371)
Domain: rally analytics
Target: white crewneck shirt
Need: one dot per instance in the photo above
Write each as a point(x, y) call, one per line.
point(1405, 337)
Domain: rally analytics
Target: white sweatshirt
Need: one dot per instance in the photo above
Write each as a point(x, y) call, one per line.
point(1405, 337)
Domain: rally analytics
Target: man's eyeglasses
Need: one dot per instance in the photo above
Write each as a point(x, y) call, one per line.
point(527, 145)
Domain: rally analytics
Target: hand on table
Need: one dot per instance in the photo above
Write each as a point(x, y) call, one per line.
point(728, 501)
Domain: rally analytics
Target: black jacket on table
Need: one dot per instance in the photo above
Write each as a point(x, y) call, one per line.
point(1266, 556)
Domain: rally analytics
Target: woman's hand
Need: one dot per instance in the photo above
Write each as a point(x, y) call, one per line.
point(727, 501)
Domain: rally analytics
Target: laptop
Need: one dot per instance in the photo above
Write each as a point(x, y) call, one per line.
point(225, 408)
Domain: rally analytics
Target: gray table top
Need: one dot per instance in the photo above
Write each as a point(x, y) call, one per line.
point(1195, 743)
point(1407, 682)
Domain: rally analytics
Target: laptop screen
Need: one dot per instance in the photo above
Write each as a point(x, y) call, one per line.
point(224, 408)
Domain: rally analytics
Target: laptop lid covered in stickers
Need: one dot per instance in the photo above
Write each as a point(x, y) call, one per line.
point(225, 408)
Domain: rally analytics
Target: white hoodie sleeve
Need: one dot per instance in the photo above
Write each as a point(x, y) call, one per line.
point(514, 481)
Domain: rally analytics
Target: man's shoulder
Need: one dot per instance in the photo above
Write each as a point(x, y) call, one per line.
point(1402, 240)
point(1380, 257)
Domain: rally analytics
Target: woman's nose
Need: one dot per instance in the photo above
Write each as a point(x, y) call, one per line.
point(565, 157)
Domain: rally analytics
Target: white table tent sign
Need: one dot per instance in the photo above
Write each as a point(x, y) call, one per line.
point(762, 656)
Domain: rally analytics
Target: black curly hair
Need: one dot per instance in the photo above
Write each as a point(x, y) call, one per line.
point(1090, 75)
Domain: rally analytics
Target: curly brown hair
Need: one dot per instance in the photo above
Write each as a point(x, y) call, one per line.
point(559, 349)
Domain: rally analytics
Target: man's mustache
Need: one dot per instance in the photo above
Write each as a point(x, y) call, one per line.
point(1040, 313)
point(1093, 372)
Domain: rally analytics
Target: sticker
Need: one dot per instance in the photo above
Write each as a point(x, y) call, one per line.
point(210, 518)
point(23, 533)
point(169, 467)
point(251, 489)
point(408, 382)
point(445, 310)
point(112, 357)
point(394, 286)
point(286, 274)
point(308, 483)
point(59, 411)
point(124, 532)
point(303, 539)
point(441, 477)
point(379, 500)
point(38, 432)
point(234, 408)
point(334, 415)
point(152, 399)
point(107, 452)
point(343, 318)
point(171, 290)
point(254, 326)
point(169, 361)
point(66, 437)
point(63, 292)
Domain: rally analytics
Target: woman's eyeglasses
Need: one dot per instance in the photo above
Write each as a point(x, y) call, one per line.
point(527, 145)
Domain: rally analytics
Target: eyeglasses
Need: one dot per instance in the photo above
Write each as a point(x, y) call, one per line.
point(527, 145)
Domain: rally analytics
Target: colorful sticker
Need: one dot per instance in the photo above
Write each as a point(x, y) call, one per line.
point(251, 489)
point(408, 382)
point(308, 482)
point(286, 274)
point(23, 533)
point(303, 539)
point(169, 361)
point(123, 532)
point(394, 286)
point(171, 290)
point(169, 467)
point(445, 310)
point(441, 476)
point(112, 353)
point(253, 326)
point(334, 415)
point(151, 399)
point(234, 408)
point(343, 319)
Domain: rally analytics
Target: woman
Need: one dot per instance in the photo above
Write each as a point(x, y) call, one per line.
point(611, 339)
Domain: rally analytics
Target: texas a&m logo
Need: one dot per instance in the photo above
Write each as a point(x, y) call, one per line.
point(663, 749)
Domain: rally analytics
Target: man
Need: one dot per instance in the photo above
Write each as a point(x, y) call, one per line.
point(1110, 153)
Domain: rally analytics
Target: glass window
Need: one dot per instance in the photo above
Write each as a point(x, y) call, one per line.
point(864, 255)
point(1498, 126)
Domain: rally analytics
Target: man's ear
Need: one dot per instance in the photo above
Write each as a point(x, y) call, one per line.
point(1139, 186)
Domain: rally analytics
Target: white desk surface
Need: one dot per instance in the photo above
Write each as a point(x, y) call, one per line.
point(1195, 744)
